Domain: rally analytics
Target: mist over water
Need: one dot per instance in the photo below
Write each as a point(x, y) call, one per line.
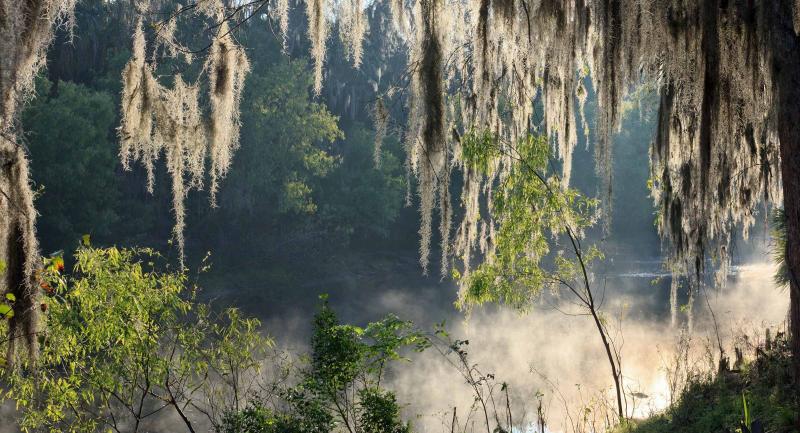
point(548, 353)
point(547, 350)
point(562, 357)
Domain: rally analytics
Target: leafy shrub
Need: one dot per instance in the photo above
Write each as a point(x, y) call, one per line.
point(340, 387)
point(115, 345)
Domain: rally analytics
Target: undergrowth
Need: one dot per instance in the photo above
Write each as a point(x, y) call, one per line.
point(756, 395)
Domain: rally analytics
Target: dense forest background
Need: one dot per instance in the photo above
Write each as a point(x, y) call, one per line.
point(305, 196)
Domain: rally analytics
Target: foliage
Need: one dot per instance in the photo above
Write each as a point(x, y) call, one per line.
point(116, 349)
point(257, 419)
point(348, 361)
point(294, 132)
point(479, 150)
point(531, 212)
point(340, 388)
point(379, 412)
point(297, 178)
point(762, 386)
point(68, 128)
point(778, 235)
point(357, 199)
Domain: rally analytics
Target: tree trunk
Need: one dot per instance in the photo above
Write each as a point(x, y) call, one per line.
point(786, 64)
point(790, 162)
point(615, 372)
point(18, 248)
point(26, 28)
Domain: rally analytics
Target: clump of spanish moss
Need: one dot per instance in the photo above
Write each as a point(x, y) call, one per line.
point(398, 14)
point(282, 12)
point(427, 129)
point(352, 28)
point(182, 135)
point(140, 93)
point(227, 67)
point(159, 119)
point(318, 35)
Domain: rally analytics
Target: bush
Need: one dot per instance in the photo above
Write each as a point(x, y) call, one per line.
point(717, 404)
point(340, 385)
point(115, 344)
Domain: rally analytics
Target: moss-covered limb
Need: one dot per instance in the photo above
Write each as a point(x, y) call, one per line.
point(157, 118)
point(26, 29)
point(19, 251)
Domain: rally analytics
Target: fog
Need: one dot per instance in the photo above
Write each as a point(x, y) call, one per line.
point(549, 354)
point(561, 356)
point(547, 350)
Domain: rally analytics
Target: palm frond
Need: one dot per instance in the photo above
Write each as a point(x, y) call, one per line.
point(778, 234)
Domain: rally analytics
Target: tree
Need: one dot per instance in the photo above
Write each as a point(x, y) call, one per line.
point(69, 137)
point(358, 198)
point(786, 63)
point(348, 364)
point(116, 349)
point(304, 182)
point(258, 419)
point(26, 29)
point(532, 212)
point(726, 73)
point(287, 147)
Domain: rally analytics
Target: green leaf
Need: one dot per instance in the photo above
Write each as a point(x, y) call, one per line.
point(746, 411)
point(6, 311)
point(11, 297)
